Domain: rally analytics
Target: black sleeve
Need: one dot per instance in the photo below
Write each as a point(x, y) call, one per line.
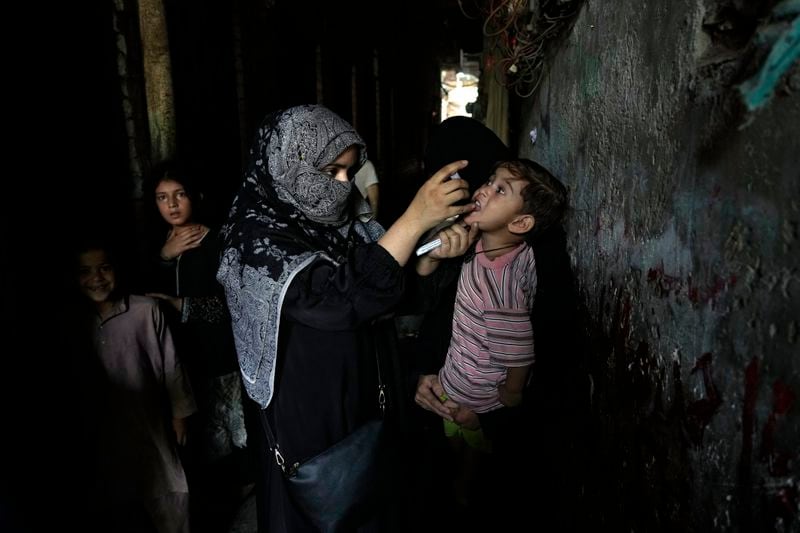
point(338, 297)
point(435, 297)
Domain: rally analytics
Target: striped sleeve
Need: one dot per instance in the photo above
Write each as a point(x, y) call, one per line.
point(509, 330)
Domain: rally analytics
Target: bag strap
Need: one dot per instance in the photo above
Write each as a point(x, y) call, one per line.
point(290, 470)
point(381, 384)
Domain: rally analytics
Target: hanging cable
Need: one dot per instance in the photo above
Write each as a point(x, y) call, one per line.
point(519, 33)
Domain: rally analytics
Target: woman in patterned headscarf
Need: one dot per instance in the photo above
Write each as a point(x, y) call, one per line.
point(305, 277)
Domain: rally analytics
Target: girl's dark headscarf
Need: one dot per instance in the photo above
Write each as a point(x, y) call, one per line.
point(287, 214)
point(465, 138)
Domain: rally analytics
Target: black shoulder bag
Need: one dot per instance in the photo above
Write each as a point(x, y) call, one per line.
point(336, 484)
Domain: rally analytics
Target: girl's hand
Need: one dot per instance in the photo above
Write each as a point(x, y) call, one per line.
point(456, 240)
point(181, 239)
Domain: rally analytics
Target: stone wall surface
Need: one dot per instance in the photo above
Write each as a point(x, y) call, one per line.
point(683, 238)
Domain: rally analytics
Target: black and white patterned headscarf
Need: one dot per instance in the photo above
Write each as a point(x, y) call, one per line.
point(287, 214)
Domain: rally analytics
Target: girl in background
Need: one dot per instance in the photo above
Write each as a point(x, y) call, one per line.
point(185, 278)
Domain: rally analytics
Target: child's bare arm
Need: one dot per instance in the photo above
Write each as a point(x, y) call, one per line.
point(180, 426)
point(467, 418)
point(511, 391)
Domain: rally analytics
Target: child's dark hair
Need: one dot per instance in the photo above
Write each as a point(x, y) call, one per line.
point(544, 196)
point(93, 243)
point(101, 241)
point(170, 170)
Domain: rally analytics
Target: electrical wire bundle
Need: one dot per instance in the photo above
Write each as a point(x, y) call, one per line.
point(519, 32)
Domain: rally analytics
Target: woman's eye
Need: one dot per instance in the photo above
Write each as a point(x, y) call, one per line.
point(161, 198)
point(181, 194)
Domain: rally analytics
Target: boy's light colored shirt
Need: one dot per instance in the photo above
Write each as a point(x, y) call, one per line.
point(146, 387)
point(492, 328)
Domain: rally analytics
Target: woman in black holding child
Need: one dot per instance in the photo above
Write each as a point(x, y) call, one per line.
point(305, 279)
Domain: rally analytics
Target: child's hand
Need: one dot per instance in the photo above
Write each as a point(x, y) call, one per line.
point(174, 301)
point(181, 239)
point(467, 418)
point(509, 398)
point(456, 240)
point(180, 427)
point(431, 396)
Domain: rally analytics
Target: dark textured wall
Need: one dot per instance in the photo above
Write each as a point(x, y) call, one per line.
point(684, 243)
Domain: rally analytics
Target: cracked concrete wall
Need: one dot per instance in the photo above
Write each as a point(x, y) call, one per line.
point(684, 242)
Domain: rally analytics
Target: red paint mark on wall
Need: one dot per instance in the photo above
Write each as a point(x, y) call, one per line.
point(666, 284)
point(699, 294)
point(714, 196)
point(749, 408)
point(744, 483)
point(783, 498)
point(622, 324)
point(700, 412)
point(778, 460)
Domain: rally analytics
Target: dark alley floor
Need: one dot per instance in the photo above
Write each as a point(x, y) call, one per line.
point(245, 519)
